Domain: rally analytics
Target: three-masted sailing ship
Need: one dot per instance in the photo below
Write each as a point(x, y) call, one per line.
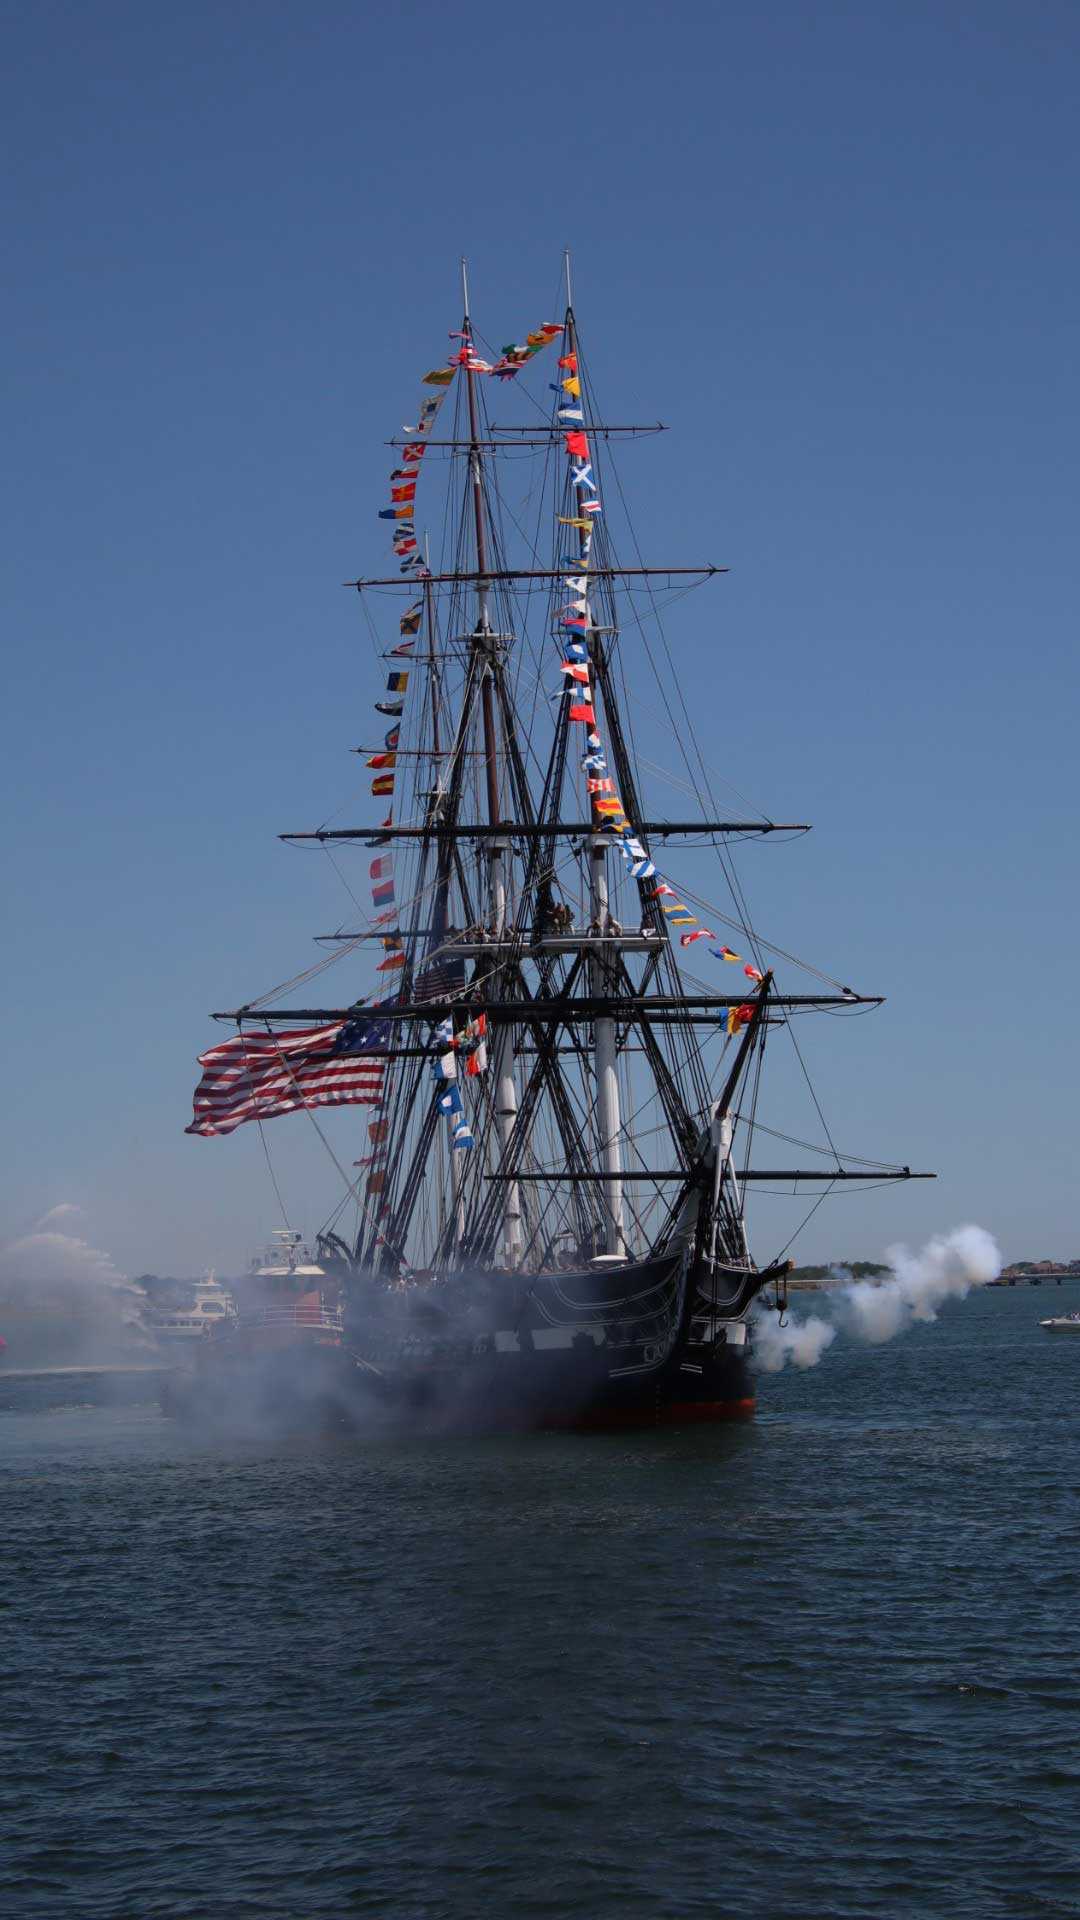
point(548, 1222)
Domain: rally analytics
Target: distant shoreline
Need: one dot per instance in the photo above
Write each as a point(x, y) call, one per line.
point(819, 1279)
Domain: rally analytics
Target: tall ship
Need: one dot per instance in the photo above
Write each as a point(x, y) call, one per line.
point(546, 1223)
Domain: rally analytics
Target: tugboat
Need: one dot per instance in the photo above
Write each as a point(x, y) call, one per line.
point(279, 1351)
point(548, 1225)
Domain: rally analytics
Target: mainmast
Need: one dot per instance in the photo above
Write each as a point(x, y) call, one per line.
point(444, 860)
point(603, 970)
point(486, 642)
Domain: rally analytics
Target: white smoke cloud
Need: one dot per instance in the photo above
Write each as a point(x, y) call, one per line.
point(59, 1212)
point(947, 1268)
point(801, 1341)
point(52, 1270)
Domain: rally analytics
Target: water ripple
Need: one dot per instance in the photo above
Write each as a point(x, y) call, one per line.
point(820, 1669)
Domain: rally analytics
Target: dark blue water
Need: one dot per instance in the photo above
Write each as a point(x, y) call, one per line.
point(823, 1666)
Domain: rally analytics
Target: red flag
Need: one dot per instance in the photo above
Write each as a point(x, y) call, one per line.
point(577, 443)
point(474, 1038)
point(569, 361)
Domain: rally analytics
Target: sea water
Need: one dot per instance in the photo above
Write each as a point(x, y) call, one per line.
point(821, 1665)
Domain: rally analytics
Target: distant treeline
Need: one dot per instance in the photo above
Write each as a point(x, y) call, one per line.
point(1040, 1266)
point(872, 1270)
point(858, 1269)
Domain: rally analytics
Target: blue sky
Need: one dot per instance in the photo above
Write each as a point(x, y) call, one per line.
point(831, 247)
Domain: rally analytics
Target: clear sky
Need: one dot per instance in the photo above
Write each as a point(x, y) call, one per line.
point(832, 246)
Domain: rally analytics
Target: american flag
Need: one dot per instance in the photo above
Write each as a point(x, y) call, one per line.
point(439, 977)
point(256, 1076)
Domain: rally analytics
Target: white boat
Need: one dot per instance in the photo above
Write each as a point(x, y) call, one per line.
point(212, 1307)
point(1062, 1323)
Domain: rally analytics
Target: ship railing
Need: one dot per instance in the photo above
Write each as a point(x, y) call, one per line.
point(328, 1319)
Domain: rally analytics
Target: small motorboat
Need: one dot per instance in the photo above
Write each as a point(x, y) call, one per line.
point(1062, 1323)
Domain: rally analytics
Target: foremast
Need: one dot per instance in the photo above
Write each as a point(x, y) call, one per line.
point(603, 977)
point(485, 644)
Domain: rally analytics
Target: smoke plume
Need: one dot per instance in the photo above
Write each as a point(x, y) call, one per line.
point(947, 1268)
point(64, 1299)
point(801, 1341)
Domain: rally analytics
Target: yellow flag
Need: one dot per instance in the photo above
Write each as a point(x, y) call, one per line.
point(585, 525)
point(572, 385)
point(439, 377)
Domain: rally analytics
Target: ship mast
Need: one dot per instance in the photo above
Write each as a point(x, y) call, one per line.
point(444, 860)
point(485, 643)
point(602, 975)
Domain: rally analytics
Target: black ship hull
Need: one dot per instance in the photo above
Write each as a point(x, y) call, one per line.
point(522, 1393)
point(648, 1345)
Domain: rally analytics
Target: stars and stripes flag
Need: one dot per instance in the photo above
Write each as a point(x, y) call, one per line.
point(255, 1076)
